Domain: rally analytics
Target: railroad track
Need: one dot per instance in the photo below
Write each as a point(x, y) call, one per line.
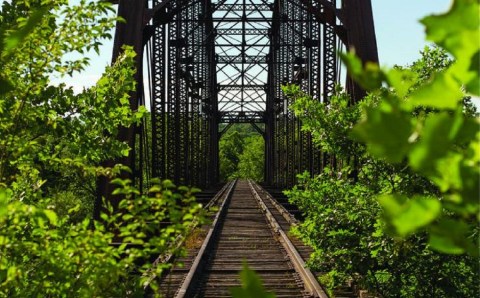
point(248, 227)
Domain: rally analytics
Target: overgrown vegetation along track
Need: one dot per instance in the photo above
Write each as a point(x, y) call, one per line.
point(173, 279)
point(244, 230)
point(287, 215)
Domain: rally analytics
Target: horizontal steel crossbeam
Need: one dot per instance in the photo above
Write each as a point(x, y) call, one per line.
point(261, 32)
point(240, 7)
point(242, 87)
point(241, 59)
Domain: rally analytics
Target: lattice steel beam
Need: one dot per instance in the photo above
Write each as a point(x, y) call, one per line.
point(260, 32)
point(225, 61)
point(240, 7)
point(130, 34)
point(185, 120)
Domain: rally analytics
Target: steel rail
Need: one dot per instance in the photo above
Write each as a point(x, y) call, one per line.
point(220, 194)
point(283, 211)
point(310, 283)
point(179, 241)
point(306, 275)
point(194, 270)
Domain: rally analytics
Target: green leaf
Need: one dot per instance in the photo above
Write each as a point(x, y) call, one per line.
point(452, 237)
point(52, 217)
point(435, 141)
point(401, 80)
point(473, 86)
point(369, 76)
point(4, 197)
point(15, 39)
point(406, 216)
point(127, 217)
point(251, 286)
point(445, 244)
point(443, 93)
point(460, 37)
point(462, 20)
point(12, 273)
point(385, 132)
point(125, 151)
point(448, 174)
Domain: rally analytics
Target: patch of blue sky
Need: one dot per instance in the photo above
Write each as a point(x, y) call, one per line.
point(400, 35)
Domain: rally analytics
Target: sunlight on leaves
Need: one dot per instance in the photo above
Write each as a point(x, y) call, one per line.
point(386, 133)
point(407, 215)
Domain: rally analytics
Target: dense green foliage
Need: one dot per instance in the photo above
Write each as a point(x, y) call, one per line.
point(52, 142)
point(50, 135)
point(434, 134)
point(398, 211)
point(252, 161)
point(43, 254)
point(241, 153)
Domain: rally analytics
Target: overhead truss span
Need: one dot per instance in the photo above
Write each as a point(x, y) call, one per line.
point(224, 61)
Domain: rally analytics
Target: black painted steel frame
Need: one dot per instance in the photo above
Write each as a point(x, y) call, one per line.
point(242, 45)
point(225, 61)
point(184, 106)
point(299, 41)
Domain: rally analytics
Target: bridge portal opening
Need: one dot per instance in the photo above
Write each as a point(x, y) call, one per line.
point(242, 43)
point(213, 63)
point(242, 151)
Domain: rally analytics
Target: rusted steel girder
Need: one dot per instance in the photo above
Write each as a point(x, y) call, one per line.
point(361, 37)
point(128, 33)
point(355, 28)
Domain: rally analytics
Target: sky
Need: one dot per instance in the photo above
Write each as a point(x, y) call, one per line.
point(400, 36)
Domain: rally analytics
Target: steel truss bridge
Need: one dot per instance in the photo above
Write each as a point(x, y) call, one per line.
point(224, 61)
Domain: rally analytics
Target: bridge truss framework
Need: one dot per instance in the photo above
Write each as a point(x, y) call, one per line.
point(224, 61)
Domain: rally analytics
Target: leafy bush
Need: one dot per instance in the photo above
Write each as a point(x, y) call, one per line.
point(426, 127)
point(41, 253)
point(251, 161)
point(52, 141)
point(399, 215)
point(241, 153)
point(231, 147)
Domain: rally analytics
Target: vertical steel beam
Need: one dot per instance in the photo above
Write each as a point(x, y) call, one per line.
point(296, 58)
point(185, 117)
point(158, 100)
point(360, 30)
point(129, 33)
point(329, 54)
